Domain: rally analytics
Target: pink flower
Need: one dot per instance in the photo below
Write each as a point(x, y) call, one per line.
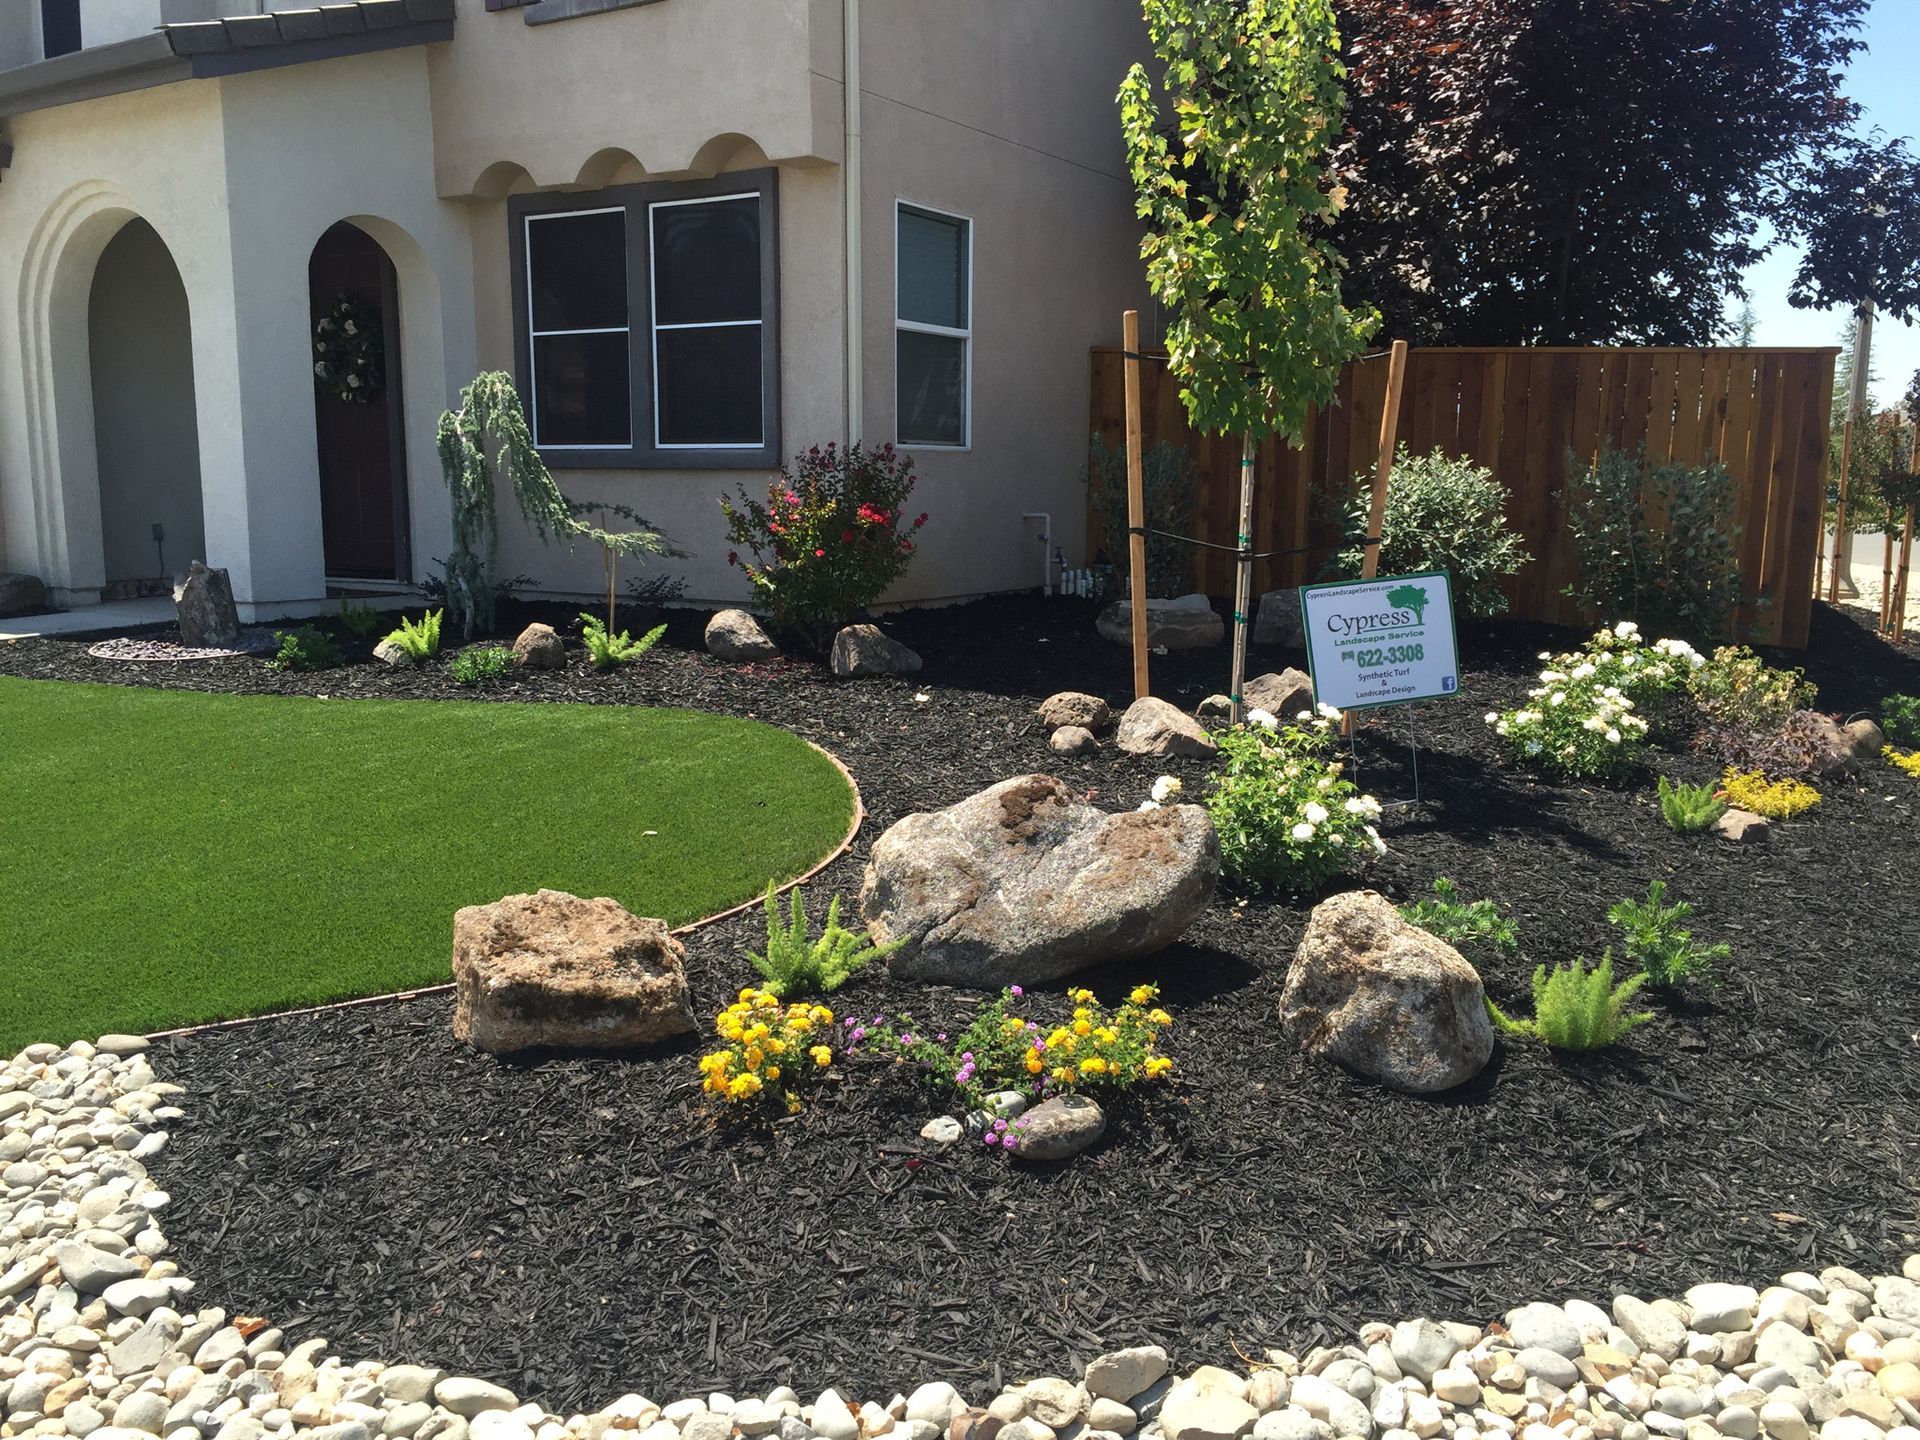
point(819, 554)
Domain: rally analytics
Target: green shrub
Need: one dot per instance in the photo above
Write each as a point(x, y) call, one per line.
point(828, 540)
point(1900, 719)
point(1751, 715)
point(305, 649)
point(480, 664)
point(1167, 485)
point(1287, 819)
point(420, 642)
point(1584, 720)
point(1443, 513)
point(361, 620)
point(1681, 578)
point(793, 964)
point(1689, 809)
point(1659, 944)
point(1575, 1008)
point(606, 650)
point(1475, 926)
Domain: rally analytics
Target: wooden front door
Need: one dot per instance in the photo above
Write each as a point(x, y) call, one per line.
point(363, 480)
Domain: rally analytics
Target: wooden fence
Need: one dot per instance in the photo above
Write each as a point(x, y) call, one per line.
point(1520, 413)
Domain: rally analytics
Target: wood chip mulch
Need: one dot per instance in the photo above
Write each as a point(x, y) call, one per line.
point(578, 1228)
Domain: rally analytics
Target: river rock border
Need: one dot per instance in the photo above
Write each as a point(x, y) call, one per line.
point(98, 1339)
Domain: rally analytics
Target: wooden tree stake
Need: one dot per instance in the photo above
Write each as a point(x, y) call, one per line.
point(1840, 546)
point(1136, 504)
point(1242, 581)
point(1382, 473)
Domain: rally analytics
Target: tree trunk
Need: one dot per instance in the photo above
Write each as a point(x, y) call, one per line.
point(1242, 580)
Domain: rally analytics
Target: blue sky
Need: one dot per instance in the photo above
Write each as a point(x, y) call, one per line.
point(1883, 80)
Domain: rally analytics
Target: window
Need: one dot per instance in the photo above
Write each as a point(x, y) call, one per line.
point(59, 27)
point(933, 328)
point(646, 323)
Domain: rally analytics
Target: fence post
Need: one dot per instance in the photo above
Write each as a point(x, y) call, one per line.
point(1136, 503)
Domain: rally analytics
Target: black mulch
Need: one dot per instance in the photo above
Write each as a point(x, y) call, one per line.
point(576, 1228)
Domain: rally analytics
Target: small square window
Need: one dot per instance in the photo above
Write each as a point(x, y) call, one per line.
point(933, 328)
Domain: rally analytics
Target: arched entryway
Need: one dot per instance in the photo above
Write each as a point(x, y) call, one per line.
point(146, 431)
point(359, 422)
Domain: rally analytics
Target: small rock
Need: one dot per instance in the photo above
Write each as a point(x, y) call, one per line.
point(1456, 1387)
point(1061, 1128)
point(1204, 1412)
point(1325, 1400)
point(1282, 695)
point(89, 1270)
point(1111, 1416)
point(1291, 1424)
point(1072, 740)
point(1783, 1421)
point(943, 1130)
point(1786, 1346)
point(391, 654)
point(467, 1397)
point(1075, 708)
point(1650, 1327)
point(1422, 1347)
point(832, 1420)
point(1055, 1403)
point(121, 1045)
point(1718, 1308)
point(406, 1383)
point(1545, 1326)
point(936, 1402)
point(1741, 827)
point(1549, 1366)
point(1123, 1374)
point(736, 635)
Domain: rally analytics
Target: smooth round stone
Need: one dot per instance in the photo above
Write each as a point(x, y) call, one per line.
point(1545, 1327)
point(1549, 1366)
point(1422, 1347)
point(1739, 1421)
point(1718, 1308)
point(1783, 1420)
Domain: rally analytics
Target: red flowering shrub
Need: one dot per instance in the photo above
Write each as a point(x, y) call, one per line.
point(831, 535)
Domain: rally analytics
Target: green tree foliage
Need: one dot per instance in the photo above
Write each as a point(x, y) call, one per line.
point(1230, 180)
point(483, 441)
point(1858, 215)
point(1572, 172)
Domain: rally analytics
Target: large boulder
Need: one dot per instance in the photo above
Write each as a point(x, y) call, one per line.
point(552, 969)
point(1188, 623)
point(204, 604)
point(1023, 883)
point(21, 594)
point(1842, 749)
point(539, 647)
point(1283, 695)
point(1151, 726)
point(1278, 620)
point(736, 635)
point(867, 650)
point(1385, 998)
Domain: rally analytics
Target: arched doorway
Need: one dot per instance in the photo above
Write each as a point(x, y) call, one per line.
point(359, 423)
point(146, 431)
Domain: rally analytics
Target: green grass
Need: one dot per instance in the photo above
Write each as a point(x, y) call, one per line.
point(172, 857)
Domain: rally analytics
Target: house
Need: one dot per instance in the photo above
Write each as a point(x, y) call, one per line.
point(697, 248)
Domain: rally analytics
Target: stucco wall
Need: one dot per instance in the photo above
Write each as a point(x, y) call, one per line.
point(145, 430)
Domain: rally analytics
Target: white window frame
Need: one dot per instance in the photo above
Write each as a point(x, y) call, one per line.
point(964, 335)
point(533, 335)
point(655, 327)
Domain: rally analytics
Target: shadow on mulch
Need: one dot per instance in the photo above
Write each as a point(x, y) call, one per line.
point(578, 1227)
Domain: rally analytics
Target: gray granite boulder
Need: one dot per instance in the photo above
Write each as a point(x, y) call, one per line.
point(1278, 622)
point(866, 650)
point(1151, 726)
point(1188, 623)
point(1024, 883)
point(1384, 998)
point(204, 604)
point(1060, 1128)
point(1282, 695)
point(736, 635)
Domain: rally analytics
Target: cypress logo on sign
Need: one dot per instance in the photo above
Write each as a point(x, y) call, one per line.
point(1388, 641)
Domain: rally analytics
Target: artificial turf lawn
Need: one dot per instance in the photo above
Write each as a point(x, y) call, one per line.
point(172, 857)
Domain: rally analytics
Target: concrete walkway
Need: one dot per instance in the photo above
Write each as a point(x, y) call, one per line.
point(114, 615)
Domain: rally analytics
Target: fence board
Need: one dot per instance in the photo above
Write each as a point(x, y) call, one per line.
point(1522, 413)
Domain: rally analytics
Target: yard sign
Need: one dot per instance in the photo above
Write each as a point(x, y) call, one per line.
point(1387, 641)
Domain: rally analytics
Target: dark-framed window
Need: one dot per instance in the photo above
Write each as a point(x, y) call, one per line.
point(933, 328)
point(646, 330)
point(59, 27)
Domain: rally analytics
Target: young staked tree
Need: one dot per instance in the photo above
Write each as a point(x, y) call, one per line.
point(484, 441)
point(1228, 160)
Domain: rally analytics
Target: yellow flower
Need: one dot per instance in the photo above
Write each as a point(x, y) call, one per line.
point(1012, 1025)
point(1105, 1034)
point(748, 995)
point(793, 1105)
point(1061, 1038)
point(822, 1015)
point(743, 1087)
point(1093, 1065)
point(1063, 1075)
point(1083, 1013)
point(1142, 994)
point(1159, 1017)
point(1156, 1066)
point(1034, 1063)
point(822, 1056)
point(755, 1057)
point(776, 1046)
point(1080, 997)
point(1083, 1027)
point(773, 1072)
point(716, 1063)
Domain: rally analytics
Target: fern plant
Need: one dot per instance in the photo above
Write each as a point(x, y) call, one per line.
point(1659, 943)
point(796, 965)
point(1461, 924)
point(1689, 809)
point(420, 642)
point(607, 650)
point(361, 620)
point(1575, 1008)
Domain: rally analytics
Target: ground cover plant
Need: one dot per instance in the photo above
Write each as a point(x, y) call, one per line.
point(481, 664)
point(1905, 761)
point(1688, 809)
point(795, 962)
point(1473, 927)
point(307, 648)
point(1658, 943)
point(1576, 1008)
point(1900, 719)
point(360, 620)
point(1775, 799)
point(328, 843)
point(768, 1053)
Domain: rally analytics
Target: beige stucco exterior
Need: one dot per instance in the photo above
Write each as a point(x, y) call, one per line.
point(998, 110)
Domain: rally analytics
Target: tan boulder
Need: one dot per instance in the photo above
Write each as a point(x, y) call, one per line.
point(554, 970)
point(1151, 726)
point(539, 647)
point(1074, 707)
point(1384, 998)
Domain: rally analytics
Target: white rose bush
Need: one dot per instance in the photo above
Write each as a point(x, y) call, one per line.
point(1288, 819)
point(1587, 718)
